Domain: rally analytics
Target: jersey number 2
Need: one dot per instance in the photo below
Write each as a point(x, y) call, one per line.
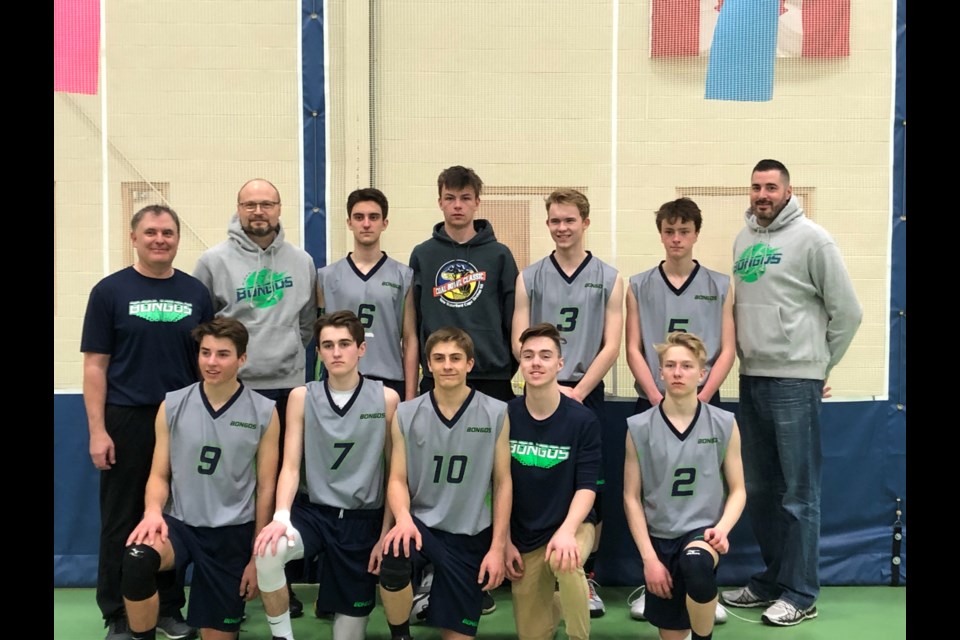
point(683, 485)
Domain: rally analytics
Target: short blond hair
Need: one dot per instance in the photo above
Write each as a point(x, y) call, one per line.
point(569, 196)
point(683, 339)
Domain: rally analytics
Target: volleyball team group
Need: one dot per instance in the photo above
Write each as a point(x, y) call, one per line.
point(408, 468)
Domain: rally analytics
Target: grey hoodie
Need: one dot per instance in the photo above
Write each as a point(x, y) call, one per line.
point(273, 292)
point(795, 308)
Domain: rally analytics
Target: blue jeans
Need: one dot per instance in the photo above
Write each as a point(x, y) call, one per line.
point(779, 422)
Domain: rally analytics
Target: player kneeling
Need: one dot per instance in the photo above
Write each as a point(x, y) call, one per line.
point(678, 455)
point(215, 459)
point(340, 427)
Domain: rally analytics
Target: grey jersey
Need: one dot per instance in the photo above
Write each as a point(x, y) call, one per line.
point(343, 448)
point(213, 455)
point(576, 304)
point(696, 307)
point(377, 299)
point(450, 462)
point(681, 473)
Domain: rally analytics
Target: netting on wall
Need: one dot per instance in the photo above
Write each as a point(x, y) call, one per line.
point(635, 103)
point(193, 99)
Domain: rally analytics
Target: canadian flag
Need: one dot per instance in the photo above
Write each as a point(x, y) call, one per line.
point(806, 28)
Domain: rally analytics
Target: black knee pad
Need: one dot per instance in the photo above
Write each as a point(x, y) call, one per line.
point(139, 578)
point(696, 564)
point(395, 572)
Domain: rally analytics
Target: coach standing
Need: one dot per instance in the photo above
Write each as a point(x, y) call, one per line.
point(136, 347)
point(796, 313)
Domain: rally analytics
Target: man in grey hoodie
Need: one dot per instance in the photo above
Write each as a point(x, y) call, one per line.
point(796, 313)
point(269, 285)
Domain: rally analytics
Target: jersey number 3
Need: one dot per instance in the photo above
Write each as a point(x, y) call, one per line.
point(569, 322)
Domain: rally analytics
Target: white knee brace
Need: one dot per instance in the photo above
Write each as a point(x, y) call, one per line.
point(270, 574)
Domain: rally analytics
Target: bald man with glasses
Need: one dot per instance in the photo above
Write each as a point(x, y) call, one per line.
point(260, 279)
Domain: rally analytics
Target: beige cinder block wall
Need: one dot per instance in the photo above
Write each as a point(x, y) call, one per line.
point(200, 98)
point(203, 98)
point(521, 91)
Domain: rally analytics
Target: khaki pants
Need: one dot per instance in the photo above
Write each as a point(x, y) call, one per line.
point(533, 595)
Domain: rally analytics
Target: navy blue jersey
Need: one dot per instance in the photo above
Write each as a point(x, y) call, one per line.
point(144, 325)
point(550, 461)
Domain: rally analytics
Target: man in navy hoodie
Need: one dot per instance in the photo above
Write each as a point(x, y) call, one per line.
point(463, 277)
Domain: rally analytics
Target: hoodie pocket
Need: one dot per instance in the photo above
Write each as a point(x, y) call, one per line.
point(275, 352)
point(760, 332)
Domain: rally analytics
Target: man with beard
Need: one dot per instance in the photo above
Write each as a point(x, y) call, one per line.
point(796, 313)
point(260, 279)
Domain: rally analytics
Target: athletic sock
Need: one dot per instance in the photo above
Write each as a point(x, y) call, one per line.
point(150, 634)
point(399, 630)
point(280, 626)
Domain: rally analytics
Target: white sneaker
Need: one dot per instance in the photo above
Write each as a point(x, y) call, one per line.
point(720, 615)
point(637, 606)
point(596, 604)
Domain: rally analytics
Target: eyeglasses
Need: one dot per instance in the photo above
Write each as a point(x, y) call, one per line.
point(266, 205)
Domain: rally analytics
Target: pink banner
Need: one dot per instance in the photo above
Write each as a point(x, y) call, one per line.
point(76, 44)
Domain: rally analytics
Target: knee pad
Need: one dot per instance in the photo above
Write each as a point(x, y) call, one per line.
point(139, 578)
point(696, 564)
point(395, 572)
point(270, 574)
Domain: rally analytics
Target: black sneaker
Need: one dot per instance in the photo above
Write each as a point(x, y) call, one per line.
point(296, 607)
point(118, 629)
point(489, 605)
point(175, 628)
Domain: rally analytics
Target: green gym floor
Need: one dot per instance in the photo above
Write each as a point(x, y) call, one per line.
point(846, 613)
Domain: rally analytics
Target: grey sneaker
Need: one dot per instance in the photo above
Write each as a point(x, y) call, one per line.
point(175, 628)
point(743, 598)
point(118, 629)
point(594, 602)
point(418, 612)
point(783, 614)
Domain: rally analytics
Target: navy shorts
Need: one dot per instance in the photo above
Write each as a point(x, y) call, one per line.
point(345, 538)
point(672, 613)
point(219, 555)
point(456, 599)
